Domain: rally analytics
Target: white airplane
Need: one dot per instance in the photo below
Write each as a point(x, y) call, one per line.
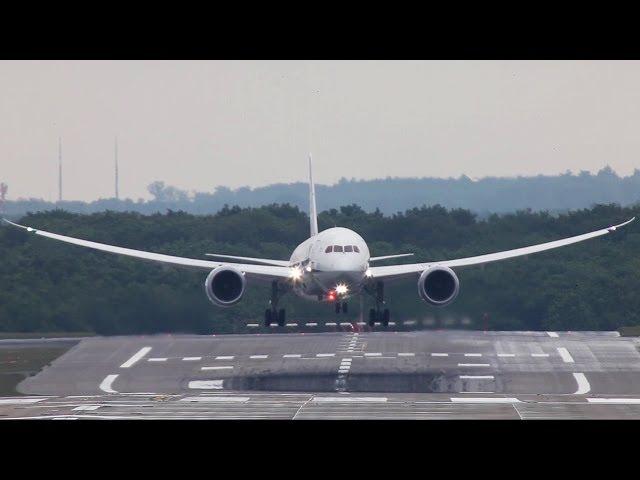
point(330, 266)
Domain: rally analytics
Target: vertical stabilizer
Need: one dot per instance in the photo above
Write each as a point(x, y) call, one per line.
point(313, 213)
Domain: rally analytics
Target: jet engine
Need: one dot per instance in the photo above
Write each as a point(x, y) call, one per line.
point(438, 286)
point(225, 286)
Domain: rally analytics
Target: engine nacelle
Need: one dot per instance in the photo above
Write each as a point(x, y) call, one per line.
point(438, 286)
point(225, 286)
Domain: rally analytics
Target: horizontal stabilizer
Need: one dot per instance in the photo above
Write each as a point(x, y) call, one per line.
point(263, 261)
point(387, 257)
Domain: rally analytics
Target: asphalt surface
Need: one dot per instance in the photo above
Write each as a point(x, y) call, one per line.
point(426, 374)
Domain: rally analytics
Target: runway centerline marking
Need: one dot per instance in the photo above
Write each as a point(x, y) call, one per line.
point(477, 377)
point(139, 355)
point(539, 354)
point(439, 354)
point(349, 399)
point(474, 365)
point(225, 357)
point(553, 334)
point(375, 354)
point(157, 359)
point(292, 355)
point(566, 356)
point(472, 354)
point(325, 354)
point(191, 359)
point(206, 384)
point(211, 399)
point(406, 354)
point(506, 354)
point(222, 367)
point(87, 407)
point(583, 384)
point(259, 356)
point(106, 384)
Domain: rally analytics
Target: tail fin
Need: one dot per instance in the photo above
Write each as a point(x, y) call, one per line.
point(313, 213)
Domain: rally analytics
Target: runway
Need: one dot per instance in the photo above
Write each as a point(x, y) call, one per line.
point(396, 375)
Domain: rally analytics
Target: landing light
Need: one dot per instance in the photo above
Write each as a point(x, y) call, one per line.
point(342, 289)
point(368, 273)
point(295, 273)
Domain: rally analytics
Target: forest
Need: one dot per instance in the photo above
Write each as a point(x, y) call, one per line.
point(48, 286)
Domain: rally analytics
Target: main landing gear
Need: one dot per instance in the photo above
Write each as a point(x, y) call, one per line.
point(342, 306)
point(376, 314)
point(273, 314)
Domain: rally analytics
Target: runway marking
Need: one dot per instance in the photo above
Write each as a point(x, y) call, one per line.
point(344, 324)
point(376, 354)
point(292, 355)
point(19, 401)
point(259, 356)
point(583, 384)
point(330, 324)
point(506, 354)
point(292, 324)
point(406, 354)
point(312, 324)
point(539, 354)
point(225, 367)
point(566, 356)
point(484, 400)
point(553, 334)
point(253, 325)
point(136, 357)
point(622, 401)
point(474, 365)
point(477, 377)
point(210, 399)
point(191, 359)
point(206, 384)
point(87, 407)
point(472, 354)
point(325, 354)
point(439, 354)
point(349, 399)
point(225, 357)
point(158, 359)
point(106, 384)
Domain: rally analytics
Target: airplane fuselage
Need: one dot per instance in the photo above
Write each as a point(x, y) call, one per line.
point(331, 265)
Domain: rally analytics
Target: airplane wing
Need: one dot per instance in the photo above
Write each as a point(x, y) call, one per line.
point(395, 271)
point(387, 257)
point(266, 272)
point(264, 261)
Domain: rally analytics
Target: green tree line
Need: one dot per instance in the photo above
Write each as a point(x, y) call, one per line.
point(49, 286)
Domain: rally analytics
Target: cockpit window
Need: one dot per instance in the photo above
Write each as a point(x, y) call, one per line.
point(348, 248)
point(337, 248)
point(356, 249)
point(328, 249)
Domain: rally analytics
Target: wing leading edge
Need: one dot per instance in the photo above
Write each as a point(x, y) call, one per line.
point(414, 268)
point(256, 271)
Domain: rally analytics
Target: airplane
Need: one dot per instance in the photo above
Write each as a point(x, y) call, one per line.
point(330, 266)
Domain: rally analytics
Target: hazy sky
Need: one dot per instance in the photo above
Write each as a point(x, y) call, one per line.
point(199, 124)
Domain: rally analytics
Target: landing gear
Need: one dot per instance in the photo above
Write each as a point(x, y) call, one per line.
point(337, 307)
point(273, 314)
point(375, 314)
point(345, 307)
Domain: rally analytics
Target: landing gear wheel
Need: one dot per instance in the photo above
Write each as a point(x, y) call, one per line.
point(337, 307)
point(281, 317)
point(385, 317)
point(345, 307)
point(372, 317)
point(267, 317)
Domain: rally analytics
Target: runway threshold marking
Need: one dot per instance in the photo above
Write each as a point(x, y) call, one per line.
point(106, 384)
point(583, 384)
point(139, 355)
point(566, 356)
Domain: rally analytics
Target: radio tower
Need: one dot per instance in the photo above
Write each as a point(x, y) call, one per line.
point(3, 194)
point(116, 171)
point(59, 169)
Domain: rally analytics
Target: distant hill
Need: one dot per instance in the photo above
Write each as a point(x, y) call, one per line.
point(390, 195)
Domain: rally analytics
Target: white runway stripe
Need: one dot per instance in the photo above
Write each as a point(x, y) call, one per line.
point(206, 384)
point(566, 356)
point(552, 334)
point(312, 324)
point(106, 384)
point(259, 356)
point(349, 399)
point(19, 401)
point(474, 365)
point(506, 354)
point(222, 367)
point(325, 354)
point(376, 354)
point(191, 359)
point(253, 325)
point(476, 377)
point(136, 357)
point(539, 354)
point(472, 354)
point(484, 400)
point(157, 359)
point(292, 324)
point(87, 407)
point(622, 401)
point(583, 384)
point(439, 354)
point(406, 354)
point(225, 357)
point(330, 324)
point(212, 399)
point(292, 355)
